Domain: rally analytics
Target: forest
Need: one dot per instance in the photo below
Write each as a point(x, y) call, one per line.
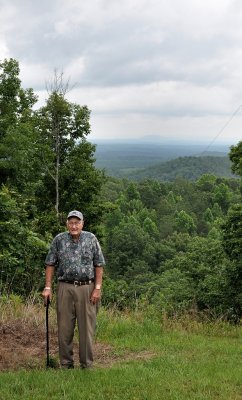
point(190, 168)
point(151, 158)
point(172, 245)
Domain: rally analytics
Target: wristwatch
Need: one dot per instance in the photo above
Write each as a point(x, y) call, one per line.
point(97, 286)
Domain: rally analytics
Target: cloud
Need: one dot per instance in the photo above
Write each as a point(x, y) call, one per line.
point(169, 63)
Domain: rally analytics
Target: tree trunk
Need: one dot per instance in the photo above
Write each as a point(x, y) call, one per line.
point(57, 168)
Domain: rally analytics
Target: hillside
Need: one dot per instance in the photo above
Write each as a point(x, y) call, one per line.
point(161, 161)
point(190, 168)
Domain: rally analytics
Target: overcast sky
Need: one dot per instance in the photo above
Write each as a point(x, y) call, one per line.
point(166, 68)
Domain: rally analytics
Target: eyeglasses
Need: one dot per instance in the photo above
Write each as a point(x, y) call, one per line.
point(74, 223)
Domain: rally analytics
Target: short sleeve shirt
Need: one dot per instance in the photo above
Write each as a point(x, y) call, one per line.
point(75, 260)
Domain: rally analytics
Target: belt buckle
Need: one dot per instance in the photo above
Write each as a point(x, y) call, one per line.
point(76, 283)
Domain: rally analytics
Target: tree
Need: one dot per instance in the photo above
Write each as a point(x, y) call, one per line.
point(129, 244)
point(185, 222)
point(232, 243)
point(206, 182)
point(222, 196)
point(151, 192)
point(15, 120)
point(69, 177)
point(235, 156)
point(22, 250)
point(204, 264)
point(232, 233)
point(208, 215)
point(61, 124)
point(174, 291)
point(131, 192)
point(20, 165)
point(9, 91)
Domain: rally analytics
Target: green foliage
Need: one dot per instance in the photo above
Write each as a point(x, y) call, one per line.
point(115, 293)
point(232, 233)
point(189, 168)
point(130, 243)
point(20, 165)
point(184, 222)
point(69, 177)
point(232, 243)
point(17, 141)
point(151, 192)
point(206, 182)
point(9, 90)
point(173, 292)
point(22, 251)
point(46, 168)
point(235, 157)
point(170, 251)
point(173, 244)
point(222, 196)
point(44, 153)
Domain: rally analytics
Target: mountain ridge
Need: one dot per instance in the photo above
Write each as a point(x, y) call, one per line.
point(188, 167)
point(137, 161)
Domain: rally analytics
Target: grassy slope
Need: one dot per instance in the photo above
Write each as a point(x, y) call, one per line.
point(183, 360)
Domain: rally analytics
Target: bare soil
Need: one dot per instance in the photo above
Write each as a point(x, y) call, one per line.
point(24, 347)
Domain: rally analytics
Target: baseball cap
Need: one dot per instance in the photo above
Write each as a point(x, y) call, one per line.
point(76, 214)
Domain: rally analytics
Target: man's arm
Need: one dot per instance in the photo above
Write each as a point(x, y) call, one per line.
point(98, 277)
point(49, 273)
point(96, 294)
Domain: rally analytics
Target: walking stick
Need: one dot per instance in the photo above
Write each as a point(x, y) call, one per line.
point(47, 332)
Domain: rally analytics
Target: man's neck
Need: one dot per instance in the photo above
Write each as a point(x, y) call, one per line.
point(75, 237)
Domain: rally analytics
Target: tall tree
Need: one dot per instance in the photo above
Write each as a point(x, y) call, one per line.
point(22, 251)
point(9, 89)
point(15, 119)
point(15, 102)
point(235, 156)
point(70, 179)
point(45, 153)
point(61, 124)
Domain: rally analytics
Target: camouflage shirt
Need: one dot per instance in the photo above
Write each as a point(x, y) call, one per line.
point(75, 260)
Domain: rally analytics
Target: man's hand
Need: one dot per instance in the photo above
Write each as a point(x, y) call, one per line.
point(95, 296)
point(47, 294)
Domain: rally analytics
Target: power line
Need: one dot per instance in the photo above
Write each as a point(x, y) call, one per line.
point(221, 130)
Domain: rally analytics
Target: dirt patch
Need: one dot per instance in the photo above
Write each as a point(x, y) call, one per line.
point(24, 346)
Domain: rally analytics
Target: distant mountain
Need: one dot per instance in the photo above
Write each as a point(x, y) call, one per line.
point(139, 160)
point(190, 168)
point(124, 158)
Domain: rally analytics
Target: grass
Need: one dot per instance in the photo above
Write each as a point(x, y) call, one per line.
point(153, 358)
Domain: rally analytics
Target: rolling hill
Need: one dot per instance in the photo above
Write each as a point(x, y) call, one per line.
point(190, 168)
point(161, 161)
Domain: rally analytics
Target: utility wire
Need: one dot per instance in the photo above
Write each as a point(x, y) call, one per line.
point(221, 130)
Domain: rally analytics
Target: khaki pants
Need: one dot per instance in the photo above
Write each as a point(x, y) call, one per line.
point(73, 303)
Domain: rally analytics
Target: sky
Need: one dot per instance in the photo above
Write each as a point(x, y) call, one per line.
point(147, 69)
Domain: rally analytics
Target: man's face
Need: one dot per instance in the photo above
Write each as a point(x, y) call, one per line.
point(74, 226)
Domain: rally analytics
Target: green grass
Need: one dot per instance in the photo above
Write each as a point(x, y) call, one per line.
point(187, 360)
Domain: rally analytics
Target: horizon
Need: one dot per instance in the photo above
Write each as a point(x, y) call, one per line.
point(163, 142)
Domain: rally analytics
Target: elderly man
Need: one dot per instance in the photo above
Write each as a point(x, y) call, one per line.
point(77, 257)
